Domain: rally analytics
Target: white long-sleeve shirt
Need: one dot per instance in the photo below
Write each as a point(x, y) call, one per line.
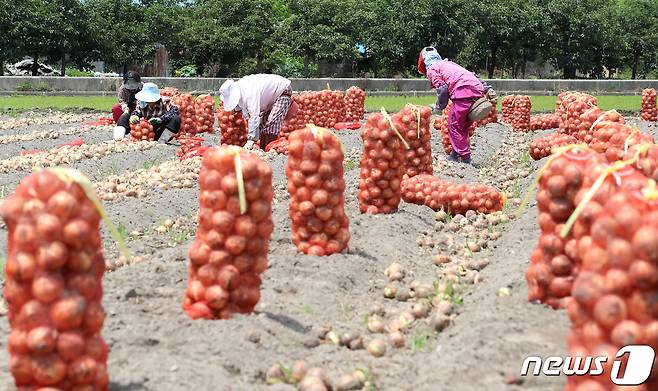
point(257, 95)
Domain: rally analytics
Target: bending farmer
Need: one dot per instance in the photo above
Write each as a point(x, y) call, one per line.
point(158, 110)
point(132, 84)
point(265, 99)
point(462, 88)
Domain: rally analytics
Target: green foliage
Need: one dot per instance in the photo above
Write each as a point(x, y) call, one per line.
point(296, 38)
point(186, 71)
point(72, 72)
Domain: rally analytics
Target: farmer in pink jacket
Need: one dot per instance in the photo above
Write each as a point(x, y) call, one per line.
point(463, 88)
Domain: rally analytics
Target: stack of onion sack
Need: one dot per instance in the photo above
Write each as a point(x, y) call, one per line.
point(232, 127)
point(649, 111)
point(382, 164)
point(187, 144)
point(169, 91)
point(543, 147)
point(205, 114)
point(592, 116)
point(438, 194)
point(142, 131)
point(553, 262)
point(544, 122)
point(229, 252)
point(330, 109)
point(521, 113)
point(646, 156)
point(415, 128)
point(316, 187)
point(54, 288)
point(355, 100)
point(441, 124)
point(613, 139)
point(185, 103)
point(572, 106)
point(308, 105)
point(614, 295)
point(507, 108)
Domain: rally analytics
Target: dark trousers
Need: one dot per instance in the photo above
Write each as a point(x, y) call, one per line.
point(266, 139)
point(173, 125)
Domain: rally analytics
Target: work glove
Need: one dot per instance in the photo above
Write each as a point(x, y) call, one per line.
point(133, 119)
point(249, 145)
point(166, 136)
point(435, 109)
point(155, 121)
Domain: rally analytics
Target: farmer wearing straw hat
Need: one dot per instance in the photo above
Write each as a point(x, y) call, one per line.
point(158, 110)
point(265, 99)
point(463, 88)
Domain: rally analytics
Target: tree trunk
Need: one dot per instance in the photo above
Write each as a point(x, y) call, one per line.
point(63, 67)
point(569, 72)
point(125, 69)
point(35, 65)
point(307, 62)
point(636, 60)
point(2, 67)
point(492, 64)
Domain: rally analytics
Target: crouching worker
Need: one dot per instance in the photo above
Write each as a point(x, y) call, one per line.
point(158, 110)
point(132, 84)
point(265, 99)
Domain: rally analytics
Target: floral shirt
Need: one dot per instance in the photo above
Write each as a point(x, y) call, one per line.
point(165, 109)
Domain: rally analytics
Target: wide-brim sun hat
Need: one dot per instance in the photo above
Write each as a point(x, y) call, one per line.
point(230, 95)
point(150, 93)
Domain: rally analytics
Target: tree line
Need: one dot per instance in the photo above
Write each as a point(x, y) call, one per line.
point(310, 38)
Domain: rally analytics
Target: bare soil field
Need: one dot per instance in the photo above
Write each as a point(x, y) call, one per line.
point(153, 198)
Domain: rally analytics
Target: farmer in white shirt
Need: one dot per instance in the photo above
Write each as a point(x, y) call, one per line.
point(265, 99)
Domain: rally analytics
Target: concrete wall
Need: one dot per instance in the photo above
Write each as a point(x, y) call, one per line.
point(109, 86)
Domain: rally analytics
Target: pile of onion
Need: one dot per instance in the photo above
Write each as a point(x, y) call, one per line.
point(316, 187)
point(593, 116)
point(279, 145)
point(308, 104)
point(543, 147)
point(613, 139)
point(571, 106)
point(507, 109)
point(169, 92)
point(229, 252)
point(441, 124)
point(382, 164)
point(185, 103)
point(521, 113)
point(54, 288)
point(232, 127)
point(187, 144)
point(330, 109)
point(355, 100)
point(205, 114)
point(649, 111)
point(613, 295)
point(142, 131)
point(438, 194)
point(416, 130)
point(553, 263)
point(544, 122)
